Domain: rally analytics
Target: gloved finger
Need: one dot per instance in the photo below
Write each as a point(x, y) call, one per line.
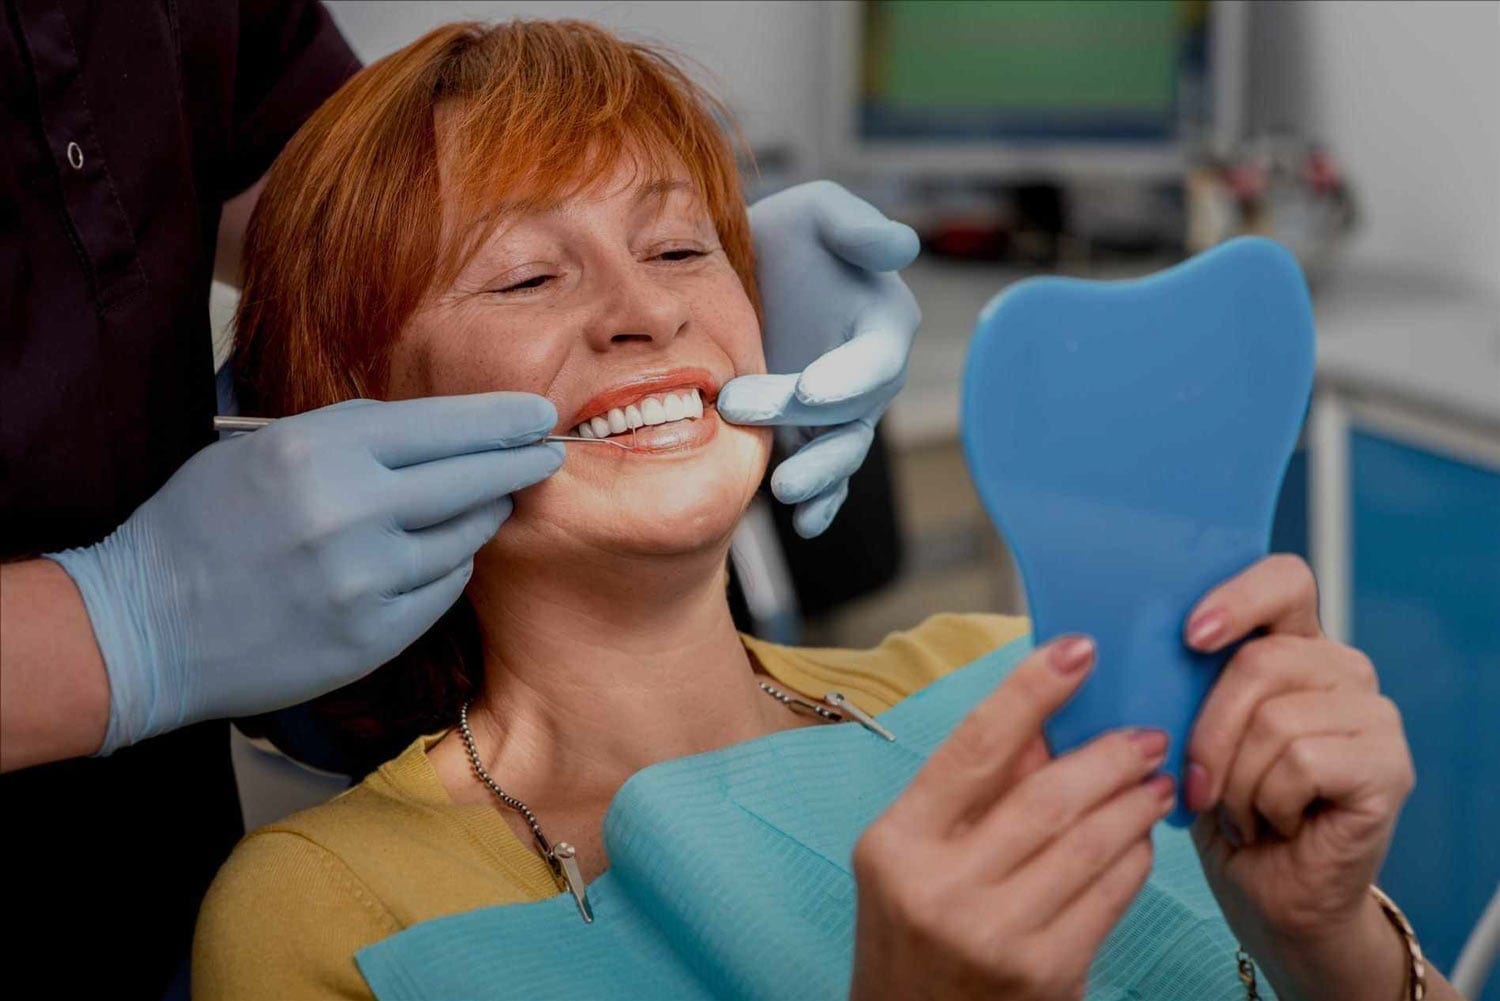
point(860, 233)
point(772, 399)
point(823, 462)
point(405, 432)
point(434, 552)
point(411, 614)
point(433, 492)
point(812, 518)
point(872, 363)
point(756, 399)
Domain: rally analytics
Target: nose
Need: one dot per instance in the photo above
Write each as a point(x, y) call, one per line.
point(635, 307)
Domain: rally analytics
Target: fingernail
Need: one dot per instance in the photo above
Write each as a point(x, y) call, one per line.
point(1196, 786)
point(1230, 831)
point(1072, 655)
point(1151, 744)
point(1165, 789)
point(1204, 629)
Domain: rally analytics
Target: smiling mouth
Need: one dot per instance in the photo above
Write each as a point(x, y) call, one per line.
point(650, 411)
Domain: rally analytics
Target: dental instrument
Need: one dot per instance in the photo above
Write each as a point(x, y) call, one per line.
point(222, 423)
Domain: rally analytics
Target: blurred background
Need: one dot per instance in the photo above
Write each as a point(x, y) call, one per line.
point(1111, 139)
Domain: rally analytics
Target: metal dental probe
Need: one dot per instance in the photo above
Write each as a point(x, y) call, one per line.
point(256, 423)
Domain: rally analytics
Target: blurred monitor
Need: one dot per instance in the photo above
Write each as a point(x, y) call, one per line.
point(1034, 87)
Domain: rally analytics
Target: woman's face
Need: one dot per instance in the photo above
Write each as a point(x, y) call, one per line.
point(621, 308)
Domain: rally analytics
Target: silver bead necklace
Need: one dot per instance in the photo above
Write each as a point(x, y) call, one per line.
point(562, 857)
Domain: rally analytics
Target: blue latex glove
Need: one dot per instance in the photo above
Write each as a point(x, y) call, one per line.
point(838, 328)
point(276, 566)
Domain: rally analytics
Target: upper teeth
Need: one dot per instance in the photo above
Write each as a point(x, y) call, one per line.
point(660, 409)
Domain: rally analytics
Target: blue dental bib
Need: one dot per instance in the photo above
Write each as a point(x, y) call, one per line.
point(729, 878)
point(1129, 440)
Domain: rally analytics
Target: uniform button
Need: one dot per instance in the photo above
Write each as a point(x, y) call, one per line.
point(75, 156)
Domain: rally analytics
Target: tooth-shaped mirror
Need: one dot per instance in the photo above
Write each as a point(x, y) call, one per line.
point(1128, 439)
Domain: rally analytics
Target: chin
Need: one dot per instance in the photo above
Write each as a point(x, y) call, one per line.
point(679, 529)
point(641, 506)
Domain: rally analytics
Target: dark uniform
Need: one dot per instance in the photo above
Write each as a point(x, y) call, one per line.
point(124, 127)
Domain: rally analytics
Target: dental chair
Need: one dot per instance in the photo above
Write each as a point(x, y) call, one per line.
point(1477, 958)
point(779, 578)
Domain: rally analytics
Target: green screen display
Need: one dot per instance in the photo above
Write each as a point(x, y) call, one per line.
point(1026, 66)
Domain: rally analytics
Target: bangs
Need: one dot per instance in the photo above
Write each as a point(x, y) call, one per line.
point(538, 112)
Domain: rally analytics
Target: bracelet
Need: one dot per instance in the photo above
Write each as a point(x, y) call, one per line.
point(1416, 970)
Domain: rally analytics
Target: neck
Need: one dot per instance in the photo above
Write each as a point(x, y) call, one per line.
point(591, 676)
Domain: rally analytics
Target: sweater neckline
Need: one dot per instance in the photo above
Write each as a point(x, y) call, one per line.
point(412, 775)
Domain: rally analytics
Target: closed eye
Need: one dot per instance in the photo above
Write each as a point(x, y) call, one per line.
point(536, 281)
point(681, 254)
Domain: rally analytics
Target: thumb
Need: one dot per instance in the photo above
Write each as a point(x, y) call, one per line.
point(867, 365)
point(861, 234)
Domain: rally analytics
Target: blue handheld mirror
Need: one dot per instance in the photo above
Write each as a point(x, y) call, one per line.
point(1128, 439)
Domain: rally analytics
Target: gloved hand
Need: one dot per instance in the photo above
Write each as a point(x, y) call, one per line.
point(279, 565)
point(838, 328)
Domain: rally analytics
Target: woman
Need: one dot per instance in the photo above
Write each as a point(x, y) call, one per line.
point(543, 207)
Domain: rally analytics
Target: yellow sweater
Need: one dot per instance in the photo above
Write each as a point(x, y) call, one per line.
point(298, 898)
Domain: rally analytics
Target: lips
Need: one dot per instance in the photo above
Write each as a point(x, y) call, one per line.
point(675, 382)
point(656, 412)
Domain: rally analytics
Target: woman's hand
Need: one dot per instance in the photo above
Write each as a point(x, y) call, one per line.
point(1299, 767)
point(998, 872)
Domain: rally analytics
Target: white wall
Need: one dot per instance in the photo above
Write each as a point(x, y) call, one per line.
point(761, 58)
point(1407, 94)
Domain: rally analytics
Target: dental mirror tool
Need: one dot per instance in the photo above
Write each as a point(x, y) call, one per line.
point(256, 423)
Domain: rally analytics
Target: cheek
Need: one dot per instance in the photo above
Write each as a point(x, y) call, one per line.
point(723, 311)
point(453, 355)
point(743, 341)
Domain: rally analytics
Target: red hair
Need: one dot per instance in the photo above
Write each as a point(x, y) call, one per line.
point(348, 235)
point(348, 238)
